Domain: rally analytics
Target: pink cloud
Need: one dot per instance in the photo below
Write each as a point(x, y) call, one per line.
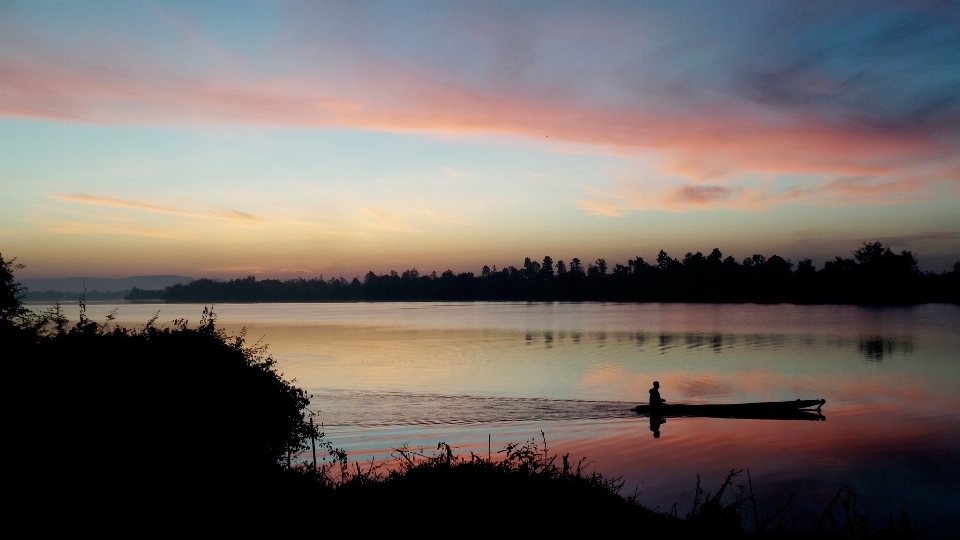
point(901, 187)
point(708, 144)
point(703, 195)
point(706, 147)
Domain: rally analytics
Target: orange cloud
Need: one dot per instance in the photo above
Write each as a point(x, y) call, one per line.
point(119, 203)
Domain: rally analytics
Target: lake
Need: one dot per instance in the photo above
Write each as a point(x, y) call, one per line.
point(384, 375)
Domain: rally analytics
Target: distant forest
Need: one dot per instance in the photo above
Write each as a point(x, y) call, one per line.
point(875, 275)
point(71, 296)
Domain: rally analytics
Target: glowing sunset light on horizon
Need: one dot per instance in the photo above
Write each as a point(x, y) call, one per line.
point(336, 138)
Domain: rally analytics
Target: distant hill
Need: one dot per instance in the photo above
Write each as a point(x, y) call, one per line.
point(97, 288)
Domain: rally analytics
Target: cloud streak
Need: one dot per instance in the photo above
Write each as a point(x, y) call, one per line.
point(227, 214)
point(83, 198)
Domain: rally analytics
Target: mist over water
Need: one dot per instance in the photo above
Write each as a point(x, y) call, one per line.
point(387, 375)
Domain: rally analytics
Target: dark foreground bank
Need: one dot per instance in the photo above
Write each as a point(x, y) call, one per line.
point(525, 489)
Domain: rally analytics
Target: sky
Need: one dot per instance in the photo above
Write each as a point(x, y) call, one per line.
point(283, 139)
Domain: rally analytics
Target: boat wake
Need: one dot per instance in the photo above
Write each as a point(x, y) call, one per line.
point(381, 409)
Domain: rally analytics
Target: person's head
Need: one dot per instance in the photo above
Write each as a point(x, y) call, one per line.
point(656, 384)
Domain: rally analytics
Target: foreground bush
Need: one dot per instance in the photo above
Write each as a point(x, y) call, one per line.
point(525, 490)
point(137, 412)
point(107, 418)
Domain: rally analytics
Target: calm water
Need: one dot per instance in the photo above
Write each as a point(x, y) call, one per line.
point(385, 375)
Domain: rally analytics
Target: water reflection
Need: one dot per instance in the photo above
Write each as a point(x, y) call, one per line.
point(655, 422)
point(716, 342)
point(693, 341)
point(706, 388)
point(870, 347)
point(666, 342)
point(579, 317)
point(658, 419)
point(382, 375)
point(697, 367)
point(874, 348)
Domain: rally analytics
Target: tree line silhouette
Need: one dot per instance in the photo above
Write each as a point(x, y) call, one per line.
point(875, 275)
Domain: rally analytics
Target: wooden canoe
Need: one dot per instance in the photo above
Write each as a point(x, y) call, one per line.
point(800, 409)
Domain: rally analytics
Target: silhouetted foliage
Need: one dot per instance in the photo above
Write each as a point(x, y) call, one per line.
point(114, 417)
point(875, 275)
point(11, 293)
point(522, 482)
point(194, 404)
point(523, 485)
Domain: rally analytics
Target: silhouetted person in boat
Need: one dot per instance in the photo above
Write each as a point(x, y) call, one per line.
point(655, 399)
